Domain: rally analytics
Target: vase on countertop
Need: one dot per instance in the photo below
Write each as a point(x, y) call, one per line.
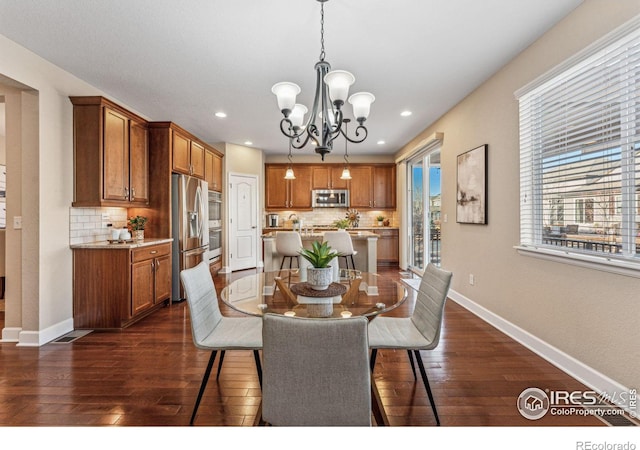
point(138, 235)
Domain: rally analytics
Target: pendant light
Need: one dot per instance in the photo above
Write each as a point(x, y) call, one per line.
point(289, 175)
point(346, 174)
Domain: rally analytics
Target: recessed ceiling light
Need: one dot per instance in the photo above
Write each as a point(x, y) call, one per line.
point(381, 142)
point(406, 113)
point(221, 115)
point(248, 143)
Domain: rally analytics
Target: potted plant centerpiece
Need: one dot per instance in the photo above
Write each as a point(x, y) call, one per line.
point(137, 224)
point(320, 274)
point(380, 220)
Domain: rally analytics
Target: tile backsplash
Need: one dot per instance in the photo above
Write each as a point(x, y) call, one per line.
point(327, 216)
point(94, 224)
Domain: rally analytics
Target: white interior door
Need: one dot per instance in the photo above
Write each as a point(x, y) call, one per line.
point(243, 222)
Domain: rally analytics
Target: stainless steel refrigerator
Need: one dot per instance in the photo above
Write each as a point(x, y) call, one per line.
point(189, 216)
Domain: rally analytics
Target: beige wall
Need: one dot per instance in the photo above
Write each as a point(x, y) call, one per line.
point(39, 151)
point(590, 315)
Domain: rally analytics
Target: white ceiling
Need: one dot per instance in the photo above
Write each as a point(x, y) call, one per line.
point(184, 61)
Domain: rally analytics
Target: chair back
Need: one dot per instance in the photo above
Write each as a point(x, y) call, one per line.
point(432, 294)
point(339, 241)
point(288, 243)
point(315, 371)
point(203, 301)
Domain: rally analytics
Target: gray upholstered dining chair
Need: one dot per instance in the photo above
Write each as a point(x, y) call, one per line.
point(213, 331)
point(316, 372)
point(421, 331)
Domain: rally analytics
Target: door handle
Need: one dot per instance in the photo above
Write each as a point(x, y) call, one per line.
point(253, 227)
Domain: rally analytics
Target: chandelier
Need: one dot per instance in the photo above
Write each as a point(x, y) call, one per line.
point(325, 123)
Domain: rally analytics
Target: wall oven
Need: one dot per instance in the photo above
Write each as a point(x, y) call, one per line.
point(215, 226)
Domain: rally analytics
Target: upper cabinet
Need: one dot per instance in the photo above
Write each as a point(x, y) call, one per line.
point(373, 187)
point(111, 154)
point(188, 155)
point(328, 177)
point(213, 170)
point(287, 194)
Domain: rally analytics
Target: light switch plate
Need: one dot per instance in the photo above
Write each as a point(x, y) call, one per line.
point(17, 222)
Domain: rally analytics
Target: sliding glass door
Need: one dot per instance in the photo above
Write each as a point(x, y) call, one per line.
point(423, 174)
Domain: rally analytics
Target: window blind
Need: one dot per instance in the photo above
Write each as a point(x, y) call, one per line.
point(580, 153)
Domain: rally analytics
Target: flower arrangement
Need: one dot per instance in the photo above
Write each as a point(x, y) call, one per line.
point(137, 223)
point(353, 216)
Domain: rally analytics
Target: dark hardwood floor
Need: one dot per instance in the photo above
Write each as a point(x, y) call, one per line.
point(149, 374)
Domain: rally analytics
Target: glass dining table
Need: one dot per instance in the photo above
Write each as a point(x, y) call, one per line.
point(285, 292)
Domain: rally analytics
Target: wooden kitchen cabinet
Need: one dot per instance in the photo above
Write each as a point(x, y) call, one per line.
point(287, 194)
point(111, 154)
point(113, 287)
point(328, 177)
point(213, 171)
point(188, 156)
point(388, 246)
point(373, 187)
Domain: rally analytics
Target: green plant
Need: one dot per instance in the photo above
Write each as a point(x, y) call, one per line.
point(137, 222)
point(341, 223)
point(380, 218)
point(319, 255)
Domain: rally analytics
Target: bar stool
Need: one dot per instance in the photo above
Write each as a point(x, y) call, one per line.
point(288, 244)
point(340, 241)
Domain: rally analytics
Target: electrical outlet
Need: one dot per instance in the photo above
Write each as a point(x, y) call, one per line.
point(472, 279)
point(446, 218)
point(17, 222)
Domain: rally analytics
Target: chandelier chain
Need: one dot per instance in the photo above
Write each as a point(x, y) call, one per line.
point(322, 54)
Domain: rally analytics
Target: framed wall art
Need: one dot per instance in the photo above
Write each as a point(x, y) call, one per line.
point(471, 195)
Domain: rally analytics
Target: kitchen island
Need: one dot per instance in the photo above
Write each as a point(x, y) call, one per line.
point(364, 242)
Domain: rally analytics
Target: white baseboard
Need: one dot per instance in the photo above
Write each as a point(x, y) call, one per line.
point(567, 363)
point(11, 334)
point(39, 338)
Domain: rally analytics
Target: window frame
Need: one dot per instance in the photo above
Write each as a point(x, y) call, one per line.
point(531, 183)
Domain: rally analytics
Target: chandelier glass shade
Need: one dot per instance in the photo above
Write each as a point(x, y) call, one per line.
point(326, 118)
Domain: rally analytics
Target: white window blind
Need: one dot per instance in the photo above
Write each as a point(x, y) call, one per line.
point(580, 152)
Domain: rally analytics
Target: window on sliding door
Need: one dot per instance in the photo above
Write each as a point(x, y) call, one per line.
point(423, 173)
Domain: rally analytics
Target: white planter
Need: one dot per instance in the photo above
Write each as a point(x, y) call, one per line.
point(319, 279)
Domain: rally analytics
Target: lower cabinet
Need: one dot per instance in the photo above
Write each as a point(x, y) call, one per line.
point(113, 288)
point(388, 246)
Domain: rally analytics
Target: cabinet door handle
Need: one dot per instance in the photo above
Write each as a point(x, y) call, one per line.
point(126, 192)
point(133, 193)
point(153, 252)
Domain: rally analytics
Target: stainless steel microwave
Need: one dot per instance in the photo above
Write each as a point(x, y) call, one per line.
point(330, 198)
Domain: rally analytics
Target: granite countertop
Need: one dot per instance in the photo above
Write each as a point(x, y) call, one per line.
point(318, 234)
point(326, 228)
point(122, 245)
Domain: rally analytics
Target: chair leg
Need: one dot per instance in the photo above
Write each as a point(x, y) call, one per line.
point(282, 263)
point(353, 264)
point(256, 356)
point(372, 359)
point(203, 385)
point(220, 364)
point(413, 366)
point(426, 385)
